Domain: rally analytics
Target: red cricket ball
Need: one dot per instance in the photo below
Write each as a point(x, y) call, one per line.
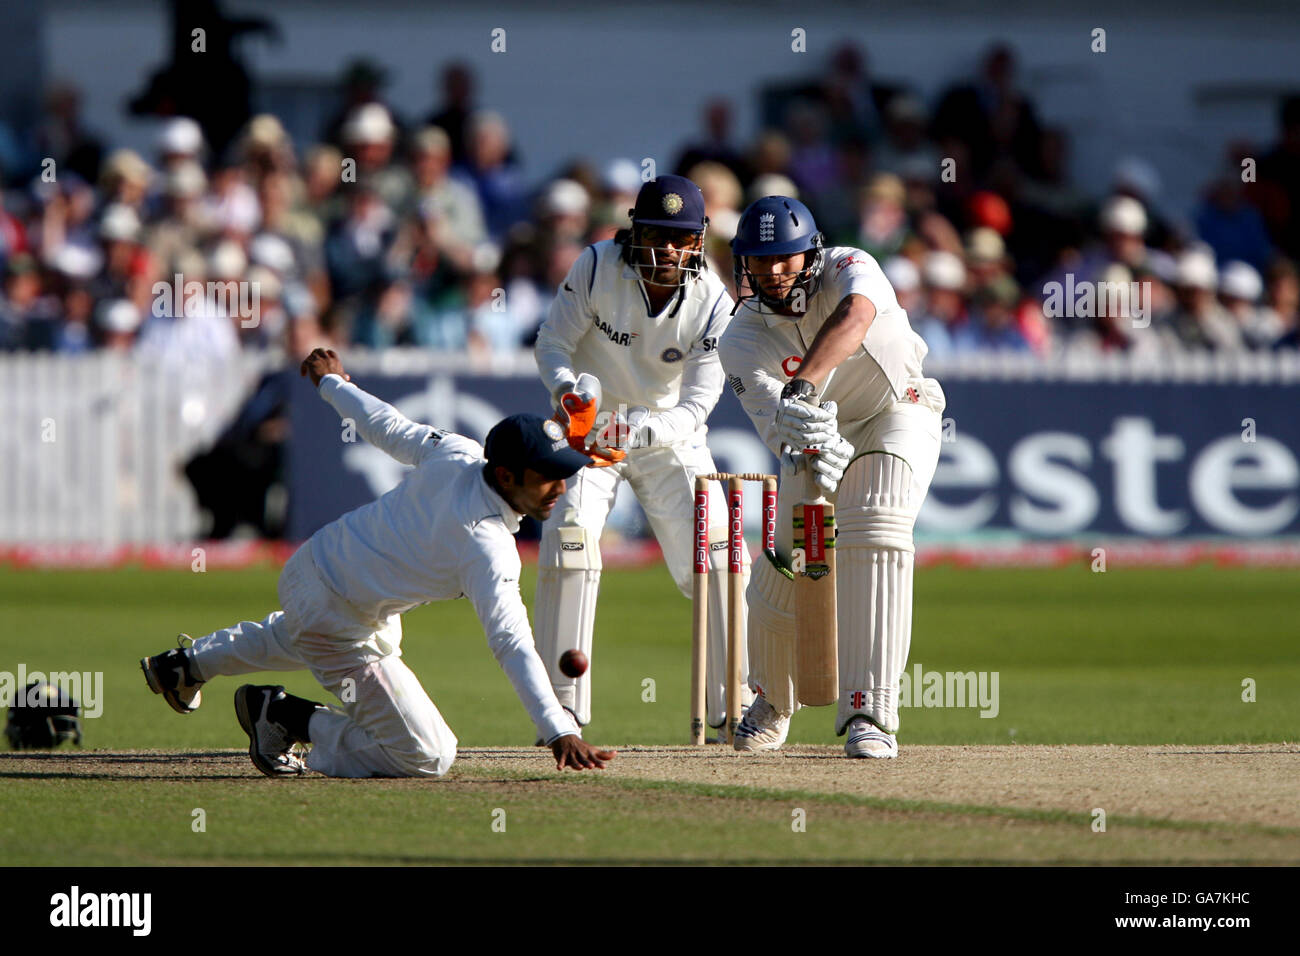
point(573, 663)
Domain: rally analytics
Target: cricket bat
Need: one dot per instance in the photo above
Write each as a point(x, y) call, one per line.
point(817, 671)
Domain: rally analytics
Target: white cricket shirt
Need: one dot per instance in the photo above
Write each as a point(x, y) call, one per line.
point(439, 535)
point(761, 351)
point(600, 323)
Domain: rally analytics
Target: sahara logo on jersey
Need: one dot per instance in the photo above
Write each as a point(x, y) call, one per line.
point(613, 334)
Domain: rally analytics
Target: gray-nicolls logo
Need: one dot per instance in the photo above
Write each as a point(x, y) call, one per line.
point(77, 909)
point(766, 227)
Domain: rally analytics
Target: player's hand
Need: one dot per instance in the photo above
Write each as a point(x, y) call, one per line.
point(636, 430)
point(575, 753)
point(322, 362)
point(829, 463)
point(801, 425)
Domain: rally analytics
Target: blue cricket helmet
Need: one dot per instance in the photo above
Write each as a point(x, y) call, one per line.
point(778, 226)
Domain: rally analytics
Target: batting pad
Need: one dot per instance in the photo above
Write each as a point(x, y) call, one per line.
point(771, 636)
point(875, 557)
point(568, 580)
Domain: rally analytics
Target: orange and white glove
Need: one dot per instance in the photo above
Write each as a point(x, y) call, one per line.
point(577, 404)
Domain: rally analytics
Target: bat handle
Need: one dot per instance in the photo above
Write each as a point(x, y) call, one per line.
point(812, 491)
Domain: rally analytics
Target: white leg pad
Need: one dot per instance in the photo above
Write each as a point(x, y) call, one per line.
point(568, 579)
point(771, 636)
point(716, 671)
point(874, 558)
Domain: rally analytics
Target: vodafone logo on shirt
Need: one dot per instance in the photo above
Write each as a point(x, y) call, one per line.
point(790, 365)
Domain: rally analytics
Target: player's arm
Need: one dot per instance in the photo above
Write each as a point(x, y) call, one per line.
point(377, 422)
point(567, 321)
point(757, 389)
point(839, 337)
point(702, 383)
point(491, 582)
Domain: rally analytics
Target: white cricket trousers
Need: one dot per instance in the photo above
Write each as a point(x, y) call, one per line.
point(389, 727)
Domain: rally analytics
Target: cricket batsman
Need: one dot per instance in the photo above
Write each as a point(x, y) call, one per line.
point(822, 356)
point(445, 532)
point(632, 339)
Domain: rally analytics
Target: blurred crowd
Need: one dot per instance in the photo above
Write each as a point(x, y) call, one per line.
point(431, 231)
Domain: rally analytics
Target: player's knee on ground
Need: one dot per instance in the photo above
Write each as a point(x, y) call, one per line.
point(422, 759)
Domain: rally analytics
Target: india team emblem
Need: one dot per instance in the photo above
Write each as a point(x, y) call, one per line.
point(673, 204)
point(553, 430)
point(766, 227)
point(671, 355)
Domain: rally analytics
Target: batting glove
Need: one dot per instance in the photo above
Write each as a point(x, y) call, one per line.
point(801, 425)
point(829, 463)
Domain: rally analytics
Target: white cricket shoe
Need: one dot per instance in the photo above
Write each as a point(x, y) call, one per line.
point(868, 740)
point(762, 727)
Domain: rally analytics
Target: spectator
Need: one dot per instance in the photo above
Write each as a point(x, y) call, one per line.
point(882, 218)
point(991, 116)
point(1199, 321)
point(457, 204)
point(117, 321)
point(368, 136)
point(1240, 288)
point(22, 306)
point(992, 326)
point(181, 141)
point(1233, 228)
point(906, 281)
point(360, 85)
point(181, 228)
point(62, 138)
point(498, 181)
point(944, 279)
point(1282, 303)
point(453, 117)
point(905, 140)
point(355, 245)
point(716, 146)
point(1277, 195)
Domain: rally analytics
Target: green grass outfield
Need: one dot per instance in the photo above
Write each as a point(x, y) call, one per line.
point(1130, 656)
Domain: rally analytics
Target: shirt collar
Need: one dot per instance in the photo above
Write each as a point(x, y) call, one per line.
point(498, 505)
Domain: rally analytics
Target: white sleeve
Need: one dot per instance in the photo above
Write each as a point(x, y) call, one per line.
point(567, 321)
point(491, 582)
point(702, 379)
point(379, 423)
point(758, 390)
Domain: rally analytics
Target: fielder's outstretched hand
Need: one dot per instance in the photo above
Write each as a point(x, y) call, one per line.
point(322, 362)
point(574, 752)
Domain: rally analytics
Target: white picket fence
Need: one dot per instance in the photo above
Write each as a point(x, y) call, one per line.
point(91, 447)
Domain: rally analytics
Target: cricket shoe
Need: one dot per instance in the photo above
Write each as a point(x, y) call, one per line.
point(171, 675)
point(269, 744)
point(868, 740)
point(762, 727)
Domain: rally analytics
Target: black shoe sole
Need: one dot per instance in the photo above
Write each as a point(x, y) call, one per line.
point(249, 723)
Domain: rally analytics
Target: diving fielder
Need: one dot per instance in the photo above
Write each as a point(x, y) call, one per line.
point(634, 331)
point(445, 532)
point(822, 356)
